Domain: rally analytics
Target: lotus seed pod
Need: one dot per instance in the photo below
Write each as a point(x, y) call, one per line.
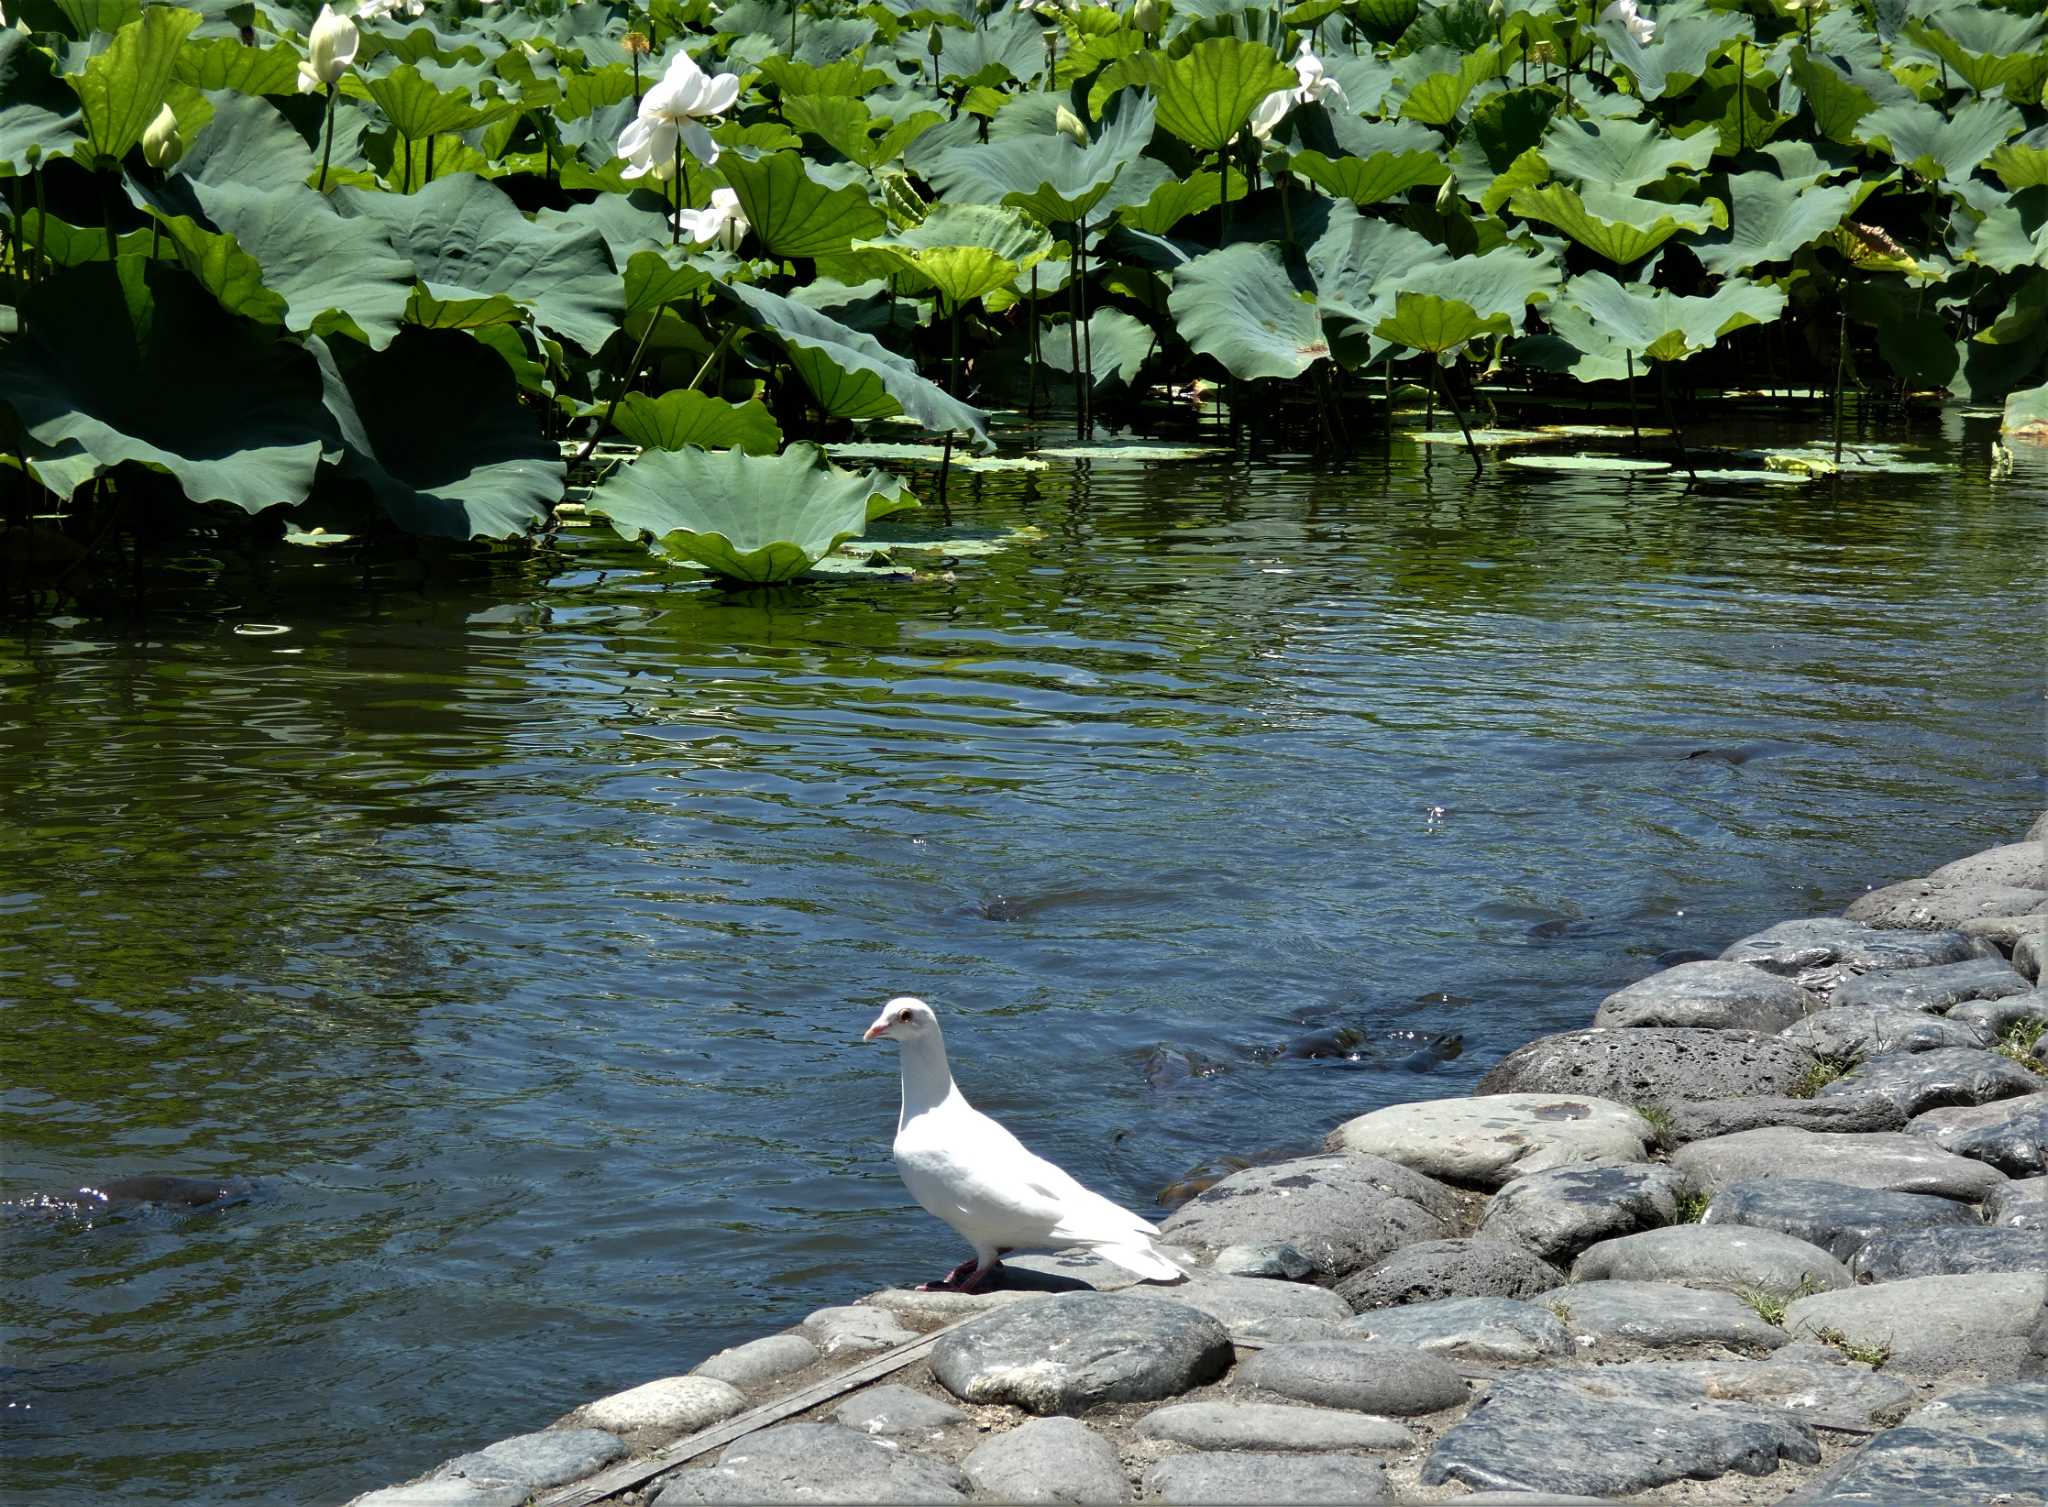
point(161, 144)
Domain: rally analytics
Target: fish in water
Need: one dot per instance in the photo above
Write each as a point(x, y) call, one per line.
point(150, 1190)
point(1377, 1048)
point(1001, 907)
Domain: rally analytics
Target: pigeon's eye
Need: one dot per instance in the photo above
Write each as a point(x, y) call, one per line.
point(903, 1017)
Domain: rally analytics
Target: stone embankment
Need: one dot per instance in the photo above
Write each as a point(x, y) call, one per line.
point(1774, 1230)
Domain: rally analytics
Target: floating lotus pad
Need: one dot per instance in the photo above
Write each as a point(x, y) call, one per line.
point(962, 459)
point(1742, 478)
point(1136, 455)
point(1601, 431)
point(1479, 436)
point(1586, 463)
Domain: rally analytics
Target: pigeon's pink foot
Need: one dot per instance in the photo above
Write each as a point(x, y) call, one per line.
point(952, 1280)
point(980, 1279)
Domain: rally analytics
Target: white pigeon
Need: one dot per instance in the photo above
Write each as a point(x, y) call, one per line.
point(969, 1171)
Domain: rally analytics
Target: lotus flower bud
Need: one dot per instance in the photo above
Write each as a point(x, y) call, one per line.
point(1447, 196)
point(1145, 16)
point(934, 44)
point(330, 48)
point(1496, 13)
point(161, 144)
point(1070, 126)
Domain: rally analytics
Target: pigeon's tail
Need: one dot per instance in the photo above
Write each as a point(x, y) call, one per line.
point(1142, 1257)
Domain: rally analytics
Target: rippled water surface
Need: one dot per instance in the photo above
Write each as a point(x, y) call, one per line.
point(515, 933)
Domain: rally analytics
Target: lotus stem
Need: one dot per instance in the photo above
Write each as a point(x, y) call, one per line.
point(1087, 335)
point(1841, 363)
point(1450, 397)
point(675, 230)
point(1074, 342)
point(1031, 326)
point(1633, 423)
point(717, 350)
point(429, 177)
point(327, 151)
point(1671, 418)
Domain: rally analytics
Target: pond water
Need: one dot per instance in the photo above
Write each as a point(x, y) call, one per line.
point(515, 934)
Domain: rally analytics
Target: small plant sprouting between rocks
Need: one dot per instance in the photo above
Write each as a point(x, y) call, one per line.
point(2022, 1043)
point(1562, 1310)
point(1659, 1119)
point(1873, 1356)
point(1692, 1206)
point(1771, 1306)
point(1824, 1071)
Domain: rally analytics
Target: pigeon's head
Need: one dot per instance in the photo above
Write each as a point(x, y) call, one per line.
point(904, 1018)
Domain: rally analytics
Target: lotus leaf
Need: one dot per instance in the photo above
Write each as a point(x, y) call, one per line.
point(1614, 463)
point(2026, 413)
point(1941, 145)
point(1240, 306)
point(1619, 227)
point(792, 213)
point(1424, 322)
point(1838, 104)
point(1621, 154)
point(36, 109)
point(1206, 96)
point(1369, 180)
point(687, 417)
point(1769, 219)
point(966, 250)
point(1049, 176)
point(1679, 54)
point(1117, 342)
point(1606, 319)
point(122, 88)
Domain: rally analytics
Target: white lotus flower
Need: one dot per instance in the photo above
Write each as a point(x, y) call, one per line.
point(1312, 86)
point(671, 110)
point(1638, 25)
point(330, 48)
point(161, 144)
point(722, 220)
point(377, 10)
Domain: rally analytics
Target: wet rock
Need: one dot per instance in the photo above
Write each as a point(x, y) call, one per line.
point(532, 1461)
point(1291, 1331)
point(1917, 1081)
point(2006, 934)
point(1479, 1331)
point(1818, 952)
point(1928, 1324)
point(1815, 1381)
point(1851, 1032)
point(1265, 1425)
point(1559, 1213)
point(894, 1412)
point(855, 1328)
point(1994, 1017)
point(1252, 1477)
point(1896, 1162)
point(1652, 1065)
point(444, 1494)
point(1732, 1258)
point(1048, 1460)
point(1983, 1445)
point(815, 1462)
point(759, 1361)
point(1395, 1380)
point(1074, 1351)
point(2020, 864)
point(1931, 989)
point(908, 1302)
point(2021, 1203)
point(658, 1411)
point(1950, 1252)
point(1929, 905)
point(2017, 1147)
point(1482, 1142)
point(2030, 951)
point(1713, 994)
point(1837, 1217)
point(1703, 1119)
point(1342, 1212)
point(1943, 1125)
point(1241, 1303)
point(1435, 1269)
point(1656, 1314)
point(1583, 1432)
point(1277, 1260)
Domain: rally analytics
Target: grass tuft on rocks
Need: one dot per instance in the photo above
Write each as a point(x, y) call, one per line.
point(1823, 1072)
point(2022, 1043)
point(1873, 1356)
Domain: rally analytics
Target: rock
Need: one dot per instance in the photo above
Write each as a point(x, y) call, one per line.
point(1276, 1259)
point(1927, 905)
point(1656, 1314)
point(2006, 933)
point(1067, 1271)
point(2017, 1147)
point(1817, 1382)
point(1265, 1425)
point(1342, 1212)
point(1479, 1331)
point(1729, 1257)
point(668, 1408)
point(1851, 1032)
point(1578, 1431)
point(759, 1361)
point(1241, 1303)
point(1837, 1217)
point(1820, 951)
point(2037, 831)
point(2030, 950)
point(1250, 1477)
point(1651, 1065)
point(1982, 1445)
point(1362, 1375)
point(1928, 1324)
point(1917, 1081)
point(892, 1412)
point(908, 1302)
point(1048, 1460)
point(815, 1462)
point(1715, 994)
point(855, 1328)
point(443, 1494)
point(2021, 1203)
point(1896, 1163)
point(1931, 989)
point(1284, 1330)
point(2020, 864)
point(1946, 1125)
point(532, 1461)
point(1950, 1252)
point(1994, 1017)
point(1437, 1269)
point(1482, 1142)
point(1704, 1119)
point(1074, 1351)
point(1559, 1213)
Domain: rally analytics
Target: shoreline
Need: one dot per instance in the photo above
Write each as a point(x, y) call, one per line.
point(1784, 1210)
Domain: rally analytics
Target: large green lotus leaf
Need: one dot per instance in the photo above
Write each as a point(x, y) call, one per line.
point(2023, 163)
point(854, 375)
point(1768, 220)
point(1679, 53)
point(747, 517)
point(1205, 97)
point(1048, 176)
point(1118, 344)
point(1240, 306)
point(1501, 282)
point(1425, 322)
point(36, 108)
point(1364, 77)
point(434, 428)
point(1988, 50)
point(471, 246)
point(793, 214)
point(2011, 235)
point(416, 107)
point(1838, 104)
point(1437, 99)
point(1369, 180)
point(130, 361)
point(688, 417)
point(1617, 226)
point(1357, 251)
point(1621, 154)
point(1941, 144)
point(847, 126)
point(1173, 201)
point(1007, 45)
point(224, 63)
point(652, 282)
point(1497, 151)
point(1608, 320)
point(966, 250)
point(850, 76)
point(121, 89)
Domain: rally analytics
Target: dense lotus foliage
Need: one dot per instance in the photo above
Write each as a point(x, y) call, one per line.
point(392, 267)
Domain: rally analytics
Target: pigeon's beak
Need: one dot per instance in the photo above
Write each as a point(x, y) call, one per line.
point(879, 1028)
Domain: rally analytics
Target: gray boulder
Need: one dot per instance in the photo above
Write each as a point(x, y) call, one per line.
point(1837, 1217)
point(1820, 951)
point(1983, 1445)
point(1950, 1252)
point(1703, 1119)
point(1930, 905)
point(1265, 1425)
point(1729, 1257)
point(1277, 1259)
point(1436, 1269)
point(1817, 1382)
point(1712, 994)
point(2023, 865)
point(1994, 1017)
point(759, 1361)
point(458, 1493)
point(896, 1412)
point(1652, 1065)
point(1852, 1032)
point(1894, 1162)
point(1253, 1477)
point(1559, 1213)
point(1395, 1380)
point(658, 1411)
point(548, 1457)
point(1928, 1325)
point(1342, 1212)
point(1931, 989)
point(2017, 1147)
point(855, 1329)
point(1048, 1460)
point(2021, 1203)
point(1243, 1304)
point(1486, 1140)
point(1657, 1314)
point(1942, 1126)
point(1917, 1081)
point(815, 1462)
point(2030, 950)
point(1075, 1351)
point(1479, 1331)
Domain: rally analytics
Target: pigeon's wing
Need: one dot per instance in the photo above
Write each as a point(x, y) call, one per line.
point(1079, 1214)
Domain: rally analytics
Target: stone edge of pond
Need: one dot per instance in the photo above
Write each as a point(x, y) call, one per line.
point(1600, 1241)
